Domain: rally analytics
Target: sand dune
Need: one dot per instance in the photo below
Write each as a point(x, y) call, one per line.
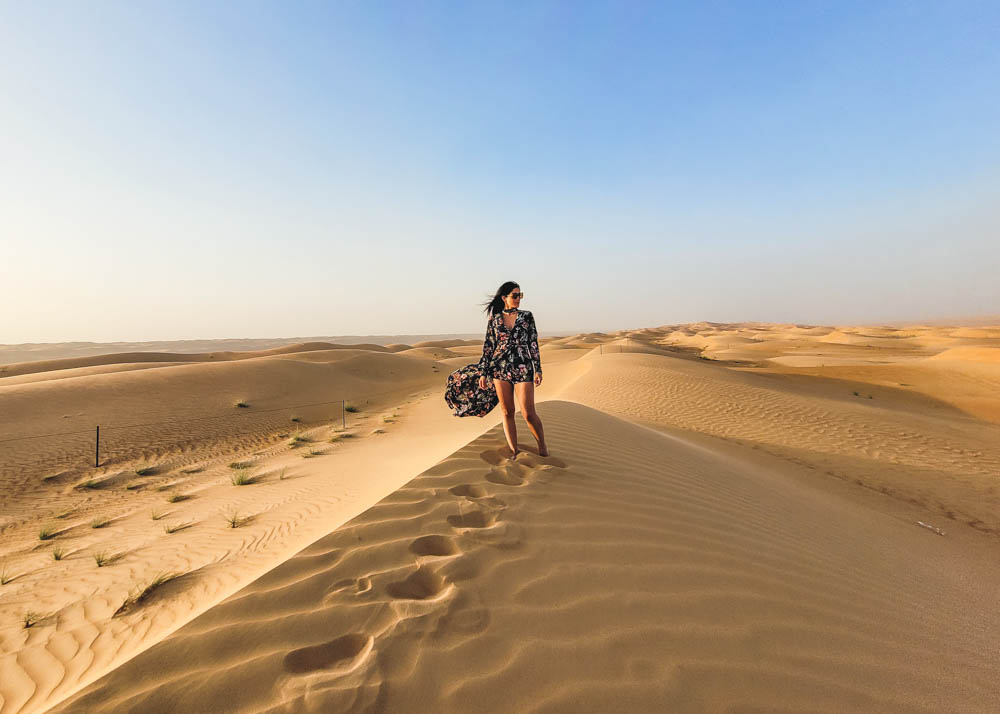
point(632, 573)
point(729, 521)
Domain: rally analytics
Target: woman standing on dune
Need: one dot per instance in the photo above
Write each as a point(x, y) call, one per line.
point(512, 361)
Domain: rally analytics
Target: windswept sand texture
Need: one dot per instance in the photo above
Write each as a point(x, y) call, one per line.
point(733, 517)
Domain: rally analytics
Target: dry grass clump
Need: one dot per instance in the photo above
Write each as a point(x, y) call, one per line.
point(5, 576)
point(100, 522)
point(237, 465)
point(235, 520)
point(143, 593)
point(146, 470)
point(177, 497)
point(47, 533)
point(30, 619)
point(177, 527)
point(242, 405)
point(351, 408)
point(156, 515)
point(89, 484)
point(244, 477)
point(103, 557)
point(58, 553)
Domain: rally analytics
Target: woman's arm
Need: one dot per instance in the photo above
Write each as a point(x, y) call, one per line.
point(488, 347)
point(536, 356)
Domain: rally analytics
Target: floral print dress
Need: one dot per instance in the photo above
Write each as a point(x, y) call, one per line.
point(508, 354)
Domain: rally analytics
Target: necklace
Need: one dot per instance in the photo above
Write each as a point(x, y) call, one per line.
point(508, 311)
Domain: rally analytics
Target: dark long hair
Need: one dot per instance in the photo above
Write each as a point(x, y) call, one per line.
point(495, 304)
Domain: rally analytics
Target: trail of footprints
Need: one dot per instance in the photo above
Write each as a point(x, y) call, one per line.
point(347, 652)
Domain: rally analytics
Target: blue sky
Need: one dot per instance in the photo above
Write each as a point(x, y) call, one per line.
point(181, 170)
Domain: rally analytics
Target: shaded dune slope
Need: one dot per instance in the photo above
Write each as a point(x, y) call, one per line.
point(632, 572)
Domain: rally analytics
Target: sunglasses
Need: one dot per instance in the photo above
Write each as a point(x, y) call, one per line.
point(516, 296)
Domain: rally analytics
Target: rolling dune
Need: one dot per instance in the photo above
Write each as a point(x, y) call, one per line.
point(632, 572)
point(735, 517)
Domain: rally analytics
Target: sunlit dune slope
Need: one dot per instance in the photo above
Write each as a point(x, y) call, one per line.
point(631, 572)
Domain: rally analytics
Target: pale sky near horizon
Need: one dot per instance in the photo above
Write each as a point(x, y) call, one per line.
point(174, 170)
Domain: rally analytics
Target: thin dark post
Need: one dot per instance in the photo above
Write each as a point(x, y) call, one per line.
point(97, 448)
point(343, 411)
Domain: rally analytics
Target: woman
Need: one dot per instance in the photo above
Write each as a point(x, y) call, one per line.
point(512, 361)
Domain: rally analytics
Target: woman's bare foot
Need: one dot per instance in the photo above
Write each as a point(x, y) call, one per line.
point(513, 455)
point(543, 451)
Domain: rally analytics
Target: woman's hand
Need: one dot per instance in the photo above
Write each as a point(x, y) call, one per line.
point(482, 382)
point(538, 379)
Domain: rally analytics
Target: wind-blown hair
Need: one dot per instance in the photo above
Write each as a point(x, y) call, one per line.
point(495, 304)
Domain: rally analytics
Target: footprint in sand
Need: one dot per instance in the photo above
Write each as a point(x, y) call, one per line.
point(473, 519)
point(343, 654)
point(423, 584)
point(506, 475)
point(477, 494)
point(433, 545)
point(468, 490)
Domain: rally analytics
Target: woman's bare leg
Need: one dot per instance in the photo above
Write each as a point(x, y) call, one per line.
point(505, 391)
point(525, 392)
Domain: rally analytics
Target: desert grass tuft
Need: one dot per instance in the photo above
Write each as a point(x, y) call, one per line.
point(5, 576)
point(177, 527)
point(243, 477)
point(156, 515)
point(143, 593)
point(58, 553)
point(296, 420)
point(237, 465)
point(30, 619)
point(89, 484)
point(47, 533)
point(103, 557)
point(100, 522)
point(177, 497)
point(351, 408)
point(378, 431)
point(387, 420)
point(146, 470)
point(283, 474)
point(134, 486)
point(235, 520)
point(242, 405)
point(64, 514)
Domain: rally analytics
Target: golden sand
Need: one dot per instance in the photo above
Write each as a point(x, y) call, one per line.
point(749, 517)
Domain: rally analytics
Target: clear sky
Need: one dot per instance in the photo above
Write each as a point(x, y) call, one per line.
point(234, 169)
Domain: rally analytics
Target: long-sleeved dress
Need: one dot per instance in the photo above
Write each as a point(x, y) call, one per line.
point(511, 354)
point(508, 354)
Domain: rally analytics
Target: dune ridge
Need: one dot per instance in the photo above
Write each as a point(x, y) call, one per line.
point(630, 573)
